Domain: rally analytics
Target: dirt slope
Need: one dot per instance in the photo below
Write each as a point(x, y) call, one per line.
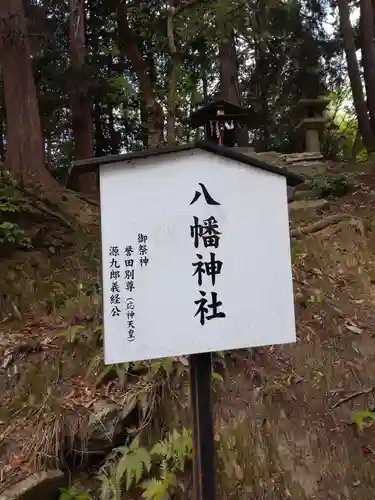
point(290, 408)
point(283, 417)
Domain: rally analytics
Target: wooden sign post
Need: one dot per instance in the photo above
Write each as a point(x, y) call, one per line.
point(204, 470)
point(196, 259)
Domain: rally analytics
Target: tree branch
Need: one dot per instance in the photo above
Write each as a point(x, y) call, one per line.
point(183, 6)
point(171, 12)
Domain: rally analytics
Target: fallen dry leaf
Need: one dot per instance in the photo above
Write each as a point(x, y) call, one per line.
point(354, 329)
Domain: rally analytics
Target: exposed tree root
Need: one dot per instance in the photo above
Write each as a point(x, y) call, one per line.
point(88, 200)
point(64, 206)
point(42, 204)
point(54, 215)
point(322, 224)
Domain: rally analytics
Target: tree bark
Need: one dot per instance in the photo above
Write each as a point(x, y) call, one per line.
point(356, 145)
point(129, 45)
point(114, 135)
point(203, 67)
point(368, 55)
point(355, 77)
point(229, 88)
point(262, 69)
point(100, 149)
point(174, 68)
point(80, 100)
point(2, 129)
point(25, 145)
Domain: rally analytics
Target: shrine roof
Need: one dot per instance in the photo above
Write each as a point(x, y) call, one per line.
point(230, 153)
point(222, 110)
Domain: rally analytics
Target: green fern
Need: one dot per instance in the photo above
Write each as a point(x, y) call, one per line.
point(175, 449)
point(134, 462)
point(172, 453)
point(109, 490)
point(126, 466)
point(156, 489)
point(129, 464)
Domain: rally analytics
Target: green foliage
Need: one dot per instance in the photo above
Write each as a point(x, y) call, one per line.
point(363, 418)
point(330, 186)
point(119, 371)
point(126, 466)
point(157, 488)
point(149, 370)
point(12, 203)
point(217, 377)
point(134, 462)
point(70, 333)
point(119, 88)
point(340, 139)
point(13, 234)
point(65, 296)
point(295, 251)
point(56, 299)
point(73, 494)
point(129, 464)
point(174, 450)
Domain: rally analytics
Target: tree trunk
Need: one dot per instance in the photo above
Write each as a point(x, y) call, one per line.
point(355, 77)
point(229, 88)
point(368, 55)
point(80, 100)
point(128, 44)
point(262, 69)
point(174, 8)
point(2, 146)
point(114, 135)
point(174, 68)
point(204, 79)
point(143, 131)
point(171, 104)
point(2, 129)
point(25, 145)
point(48, 150)
point(356, 145)
point(100, 143)
point(228, 71)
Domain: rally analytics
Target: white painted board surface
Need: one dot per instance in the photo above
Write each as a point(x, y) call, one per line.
point(150, 292)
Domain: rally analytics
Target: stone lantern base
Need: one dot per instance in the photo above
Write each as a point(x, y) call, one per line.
point(312, 127)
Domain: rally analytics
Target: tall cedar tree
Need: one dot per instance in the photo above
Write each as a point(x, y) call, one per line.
point(25, 146)
point(229, 88)
point(367, 22)
point(355, 76)
point(80, 99)
point(128, 44)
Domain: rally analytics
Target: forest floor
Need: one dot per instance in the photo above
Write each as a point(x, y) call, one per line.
point(284, 415)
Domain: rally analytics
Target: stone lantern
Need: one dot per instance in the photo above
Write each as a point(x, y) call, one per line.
point(312, 121)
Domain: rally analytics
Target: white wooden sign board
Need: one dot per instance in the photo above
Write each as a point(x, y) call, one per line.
point(183, 276)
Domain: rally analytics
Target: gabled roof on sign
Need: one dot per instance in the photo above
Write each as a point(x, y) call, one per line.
point(230, 153)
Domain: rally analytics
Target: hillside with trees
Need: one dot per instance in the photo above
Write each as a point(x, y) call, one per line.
point(82, 79)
